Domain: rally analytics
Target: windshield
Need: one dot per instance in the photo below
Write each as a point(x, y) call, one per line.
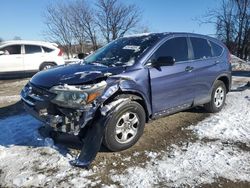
point(122, 52)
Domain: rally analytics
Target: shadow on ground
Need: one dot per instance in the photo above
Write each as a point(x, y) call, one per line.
point(11, 110)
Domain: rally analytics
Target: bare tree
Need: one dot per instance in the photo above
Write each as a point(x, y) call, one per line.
point(243, 25)
point(76, 29)
point(58, 26)
point(77, 22)
point(223, 19)
point(83, 22)
point(232, 25)
point(115, 18)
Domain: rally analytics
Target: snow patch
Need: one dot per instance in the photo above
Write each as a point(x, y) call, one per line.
point(126, 159)
point(138, 35)
point(201, 163)
point(231, 124)
point(27, 159)
point(239, 64)
point(151, 154)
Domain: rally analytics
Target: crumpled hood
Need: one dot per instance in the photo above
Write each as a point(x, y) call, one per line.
point(73, 74)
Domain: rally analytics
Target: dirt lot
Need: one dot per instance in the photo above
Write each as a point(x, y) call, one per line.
point(158, 136)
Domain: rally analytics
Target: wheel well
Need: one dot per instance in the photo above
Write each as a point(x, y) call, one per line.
point(47, 62)
point(134, 96)
point(225, 80)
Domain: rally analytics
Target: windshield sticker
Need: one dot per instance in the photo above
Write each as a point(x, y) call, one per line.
point(131, 47)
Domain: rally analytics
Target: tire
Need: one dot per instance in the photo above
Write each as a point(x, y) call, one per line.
point(125, 126)
point(46, 66)
point(218, 97)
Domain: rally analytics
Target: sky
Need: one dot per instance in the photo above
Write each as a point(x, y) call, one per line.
point(24, 18)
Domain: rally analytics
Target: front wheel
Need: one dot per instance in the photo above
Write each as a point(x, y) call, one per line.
point(218, 97)
point(125, 127)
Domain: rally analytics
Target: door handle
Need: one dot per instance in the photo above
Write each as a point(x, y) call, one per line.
point(189, 69)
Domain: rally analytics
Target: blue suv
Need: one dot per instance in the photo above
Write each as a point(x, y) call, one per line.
point(109, 96)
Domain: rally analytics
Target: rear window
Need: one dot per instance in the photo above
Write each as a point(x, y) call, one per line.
point(47, 50)
point(216, 49)
point(32, 49)
point(12, 49)
point(201, 48)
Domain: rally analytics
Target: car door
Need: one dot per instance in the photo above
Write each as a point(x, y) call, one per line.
point(206, 68)
point(33, 57)
point(12, 59)
point(172, 86)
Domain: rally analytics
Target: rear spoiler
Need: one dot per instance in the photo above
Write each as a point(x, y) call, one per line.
point(54, 44)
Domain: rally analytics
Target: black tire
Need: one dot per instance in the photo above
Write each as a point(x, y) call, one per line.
point(215, 105)
point(46, 66)
point(126, 109)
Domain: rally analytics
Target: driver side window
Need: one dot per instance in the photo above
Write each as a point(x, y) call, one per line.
point(176, 48)
point(12, 50)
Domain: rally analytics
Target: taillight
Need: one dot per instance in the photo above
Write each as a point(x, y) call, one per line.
point(60, 53)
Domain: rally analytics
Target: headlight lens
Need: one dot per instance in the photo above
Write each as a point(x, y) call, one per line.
point(77, 96)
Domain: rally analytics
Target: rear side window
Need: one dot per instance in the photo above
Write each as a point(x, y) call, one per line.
point(47, 50)
point(216, 49)
point(32, 49)
point(201, 48)
point(12, 49)
point(176, 48)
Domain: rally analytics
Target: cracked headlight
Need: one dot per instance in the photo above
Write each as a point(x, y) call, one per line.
point(77, 96)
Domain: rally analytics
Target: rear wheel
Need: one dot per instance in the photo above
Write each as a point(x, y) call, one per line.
point(46, 66)
point(125, 127)
point(218, 97)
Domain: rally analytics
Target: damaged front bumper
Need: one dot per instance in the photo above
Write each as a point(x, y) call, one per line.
point(37, 102)
point(41, 104)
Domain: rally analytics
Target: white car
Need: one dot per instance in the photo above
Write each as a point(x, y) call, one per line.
point(20, 56)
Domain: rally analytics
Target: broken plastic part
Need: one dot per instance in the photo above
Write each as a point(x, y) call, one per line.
point(80, 164)
point(109, 92)
point(105, 109)
point(92, 142)
point(94, 135)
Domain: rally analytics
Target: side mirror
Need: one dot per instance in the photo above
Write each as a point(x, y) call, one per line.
point(1, 52)
point(164, 61)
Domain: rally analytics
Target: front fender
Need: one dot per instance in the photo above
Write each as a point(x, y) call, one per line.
point(129, 84)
